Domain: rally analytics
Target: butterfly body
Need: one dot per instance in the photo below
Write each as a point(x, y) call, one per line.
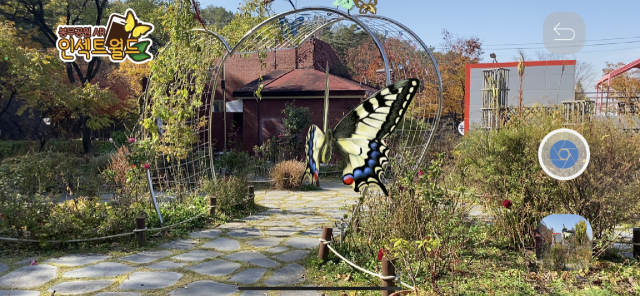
point(360, 135)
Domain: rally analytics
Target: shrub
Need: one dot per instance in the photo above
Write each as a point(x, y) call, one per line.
point(288, 174)
point(419, 224)
point(236, 163)
point(38, 172)
point(228, 191)
point(557, 258)
point(503, 163)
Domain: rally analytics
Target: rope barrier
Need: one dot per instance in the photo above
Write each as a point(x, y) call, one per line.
point(382, 277)
point(122, 234)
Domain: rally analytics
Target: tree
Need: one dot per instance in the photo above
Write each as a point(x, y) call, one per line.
point(46, 15)
point(581, 232)
point(452, 61)
point(626, 86)
point(216, 16)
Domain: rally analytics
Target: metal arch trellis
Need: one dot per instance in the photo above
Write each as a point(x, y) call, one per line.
point(319, 22)
point(408, 57)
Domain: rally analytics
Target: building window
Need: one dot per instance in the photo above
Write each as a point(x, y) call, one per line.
point(218, 106)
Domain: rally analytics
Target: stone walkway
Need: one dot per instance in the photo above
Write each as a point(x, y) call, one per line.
point(267, 249)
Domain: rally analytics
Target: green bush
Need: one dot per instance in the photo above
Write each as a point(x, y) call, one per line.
point(38, 172)
point(504, 164)
point(228, 191)
point(236, 163)
point(421, 225)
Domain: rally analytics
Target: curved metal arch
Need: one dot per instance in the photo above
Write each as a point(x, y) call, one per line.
point(217, 36)
point(277, 16)
point(318, 8)
point(435, 64)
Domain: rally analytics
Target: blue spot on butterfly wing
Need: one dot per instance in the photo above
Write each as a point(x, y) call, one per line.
point(358, 174)
point(373, 145)
point(368, 171)
point(372, 163)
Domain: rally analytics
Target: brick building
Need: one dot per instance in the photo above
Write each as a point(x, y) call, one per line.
point(292, 74)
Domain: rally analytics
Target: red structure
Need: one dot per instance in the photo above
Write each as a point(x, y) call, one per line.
point(607, 79)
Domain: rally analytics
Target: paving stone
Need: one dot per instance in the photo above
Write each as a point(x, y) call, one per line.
point(254, 293)
point(245, 232)
point(181, 244)
point(300, 293)
point(79, 287)
point(255, 218)
point(3, 267)
point(292, 256)
point(254, 258)
point(77, 260)
point(312, 232)
point(25, 261)
point(248, 276)
point(303, 243)
point(146, 257)
point(103, 269)
point(277, 223)
point(205, 288)
point(292, 216)
point(302, 210)
point(167, 265)
point(265, 242)
point(313, 220)
point(210, 233)
point(233, 225)
point(21, 293)
point(288, 275)
point(282, 231)
point(271, 212)
point(215, 267)
point(197, 255)
point(29, 276)
point(118, 294)
point(277, 249)
point(223, 244)
point(150, 280)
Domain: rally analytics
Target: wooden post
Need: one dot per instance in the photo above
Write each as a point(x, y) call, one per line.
point(636, 240)
point(142, 235)
point(387, 270)
point(323, 252)
point(212, 203)
point(252, 195)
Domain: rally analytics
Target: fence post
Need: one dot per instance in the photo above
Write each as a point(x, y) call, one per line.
point(636, 240)
point(323, 252)
point(142, 235)
point(212, 204)
point(387, 270)
point(252, 195)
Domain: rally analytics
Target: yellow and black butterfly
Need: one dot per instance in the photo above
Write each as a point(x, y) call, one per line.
point(136, 28)
point(360, 136)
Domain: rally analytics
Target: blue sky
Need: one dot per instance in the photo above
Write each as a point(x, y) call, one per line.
point(569, 220)
point(497, 23)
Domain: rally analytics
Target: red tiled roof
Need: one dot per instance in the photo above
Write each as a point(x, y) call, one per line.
point(303, 82)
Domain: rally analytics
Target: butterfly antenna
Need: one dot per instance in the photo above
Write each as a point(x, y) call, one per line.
point(326, 99)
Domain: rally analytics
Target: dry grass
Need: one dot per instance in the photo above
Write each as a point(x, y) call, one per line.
point(288, 174)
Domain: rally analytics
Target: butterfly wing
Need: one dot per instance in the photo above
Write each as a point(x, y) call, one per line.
point(140, 30)
point(131, 22)
point(360, 134)
point(315, 142)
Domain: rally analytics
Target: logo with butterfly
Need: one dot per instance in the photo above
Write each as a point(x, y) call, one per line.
point(122, 38)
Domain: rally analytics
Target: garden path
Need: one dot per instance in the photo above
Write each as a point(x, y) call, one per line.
point(267, 249)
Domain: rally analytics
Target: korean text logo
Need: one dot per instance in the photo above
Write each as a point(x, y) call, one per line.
point(122, 38)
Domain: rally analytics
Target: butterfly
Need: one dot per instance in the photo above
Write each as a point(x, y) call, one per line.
point(137, 29)
point(360, 136)
point(346, 4)
point(370, 7)
point(291, 28)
